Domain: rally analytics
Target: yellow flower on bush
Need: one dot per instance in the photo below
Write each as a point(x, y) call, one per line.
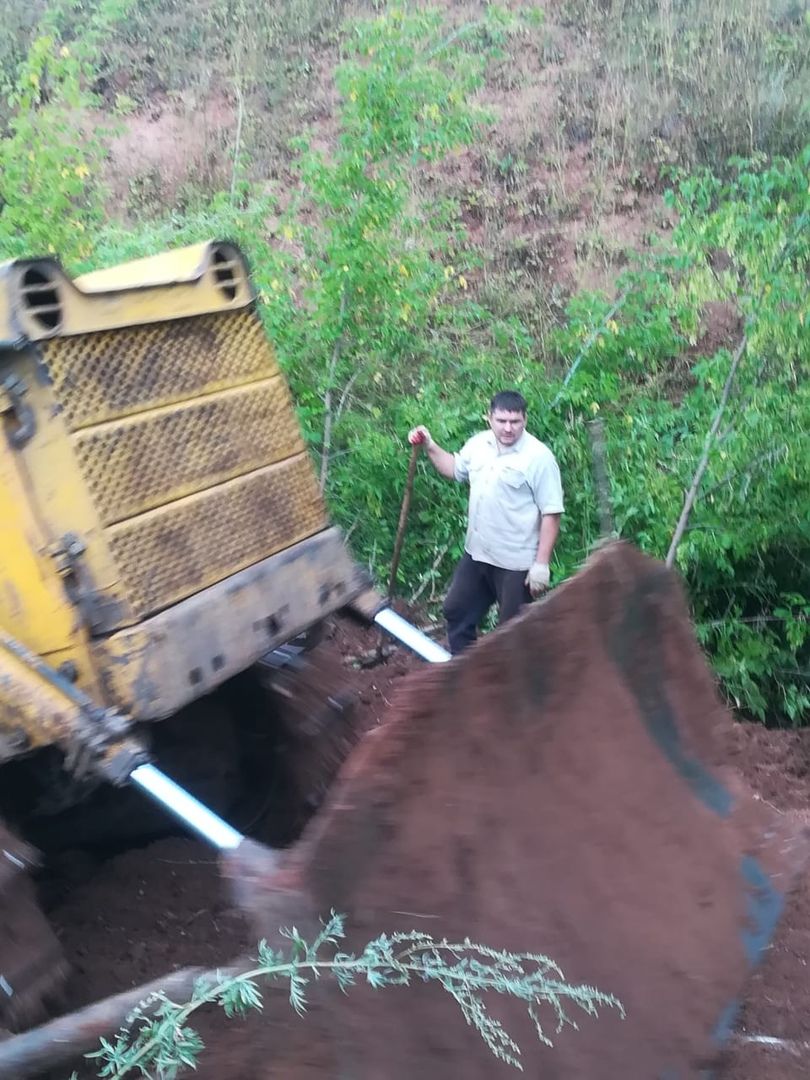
point(613, 326)
point(462, 281)
point(82, 171)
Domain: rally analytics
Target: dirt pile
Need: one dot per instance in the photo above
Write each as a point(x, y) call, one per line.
point(552, 791)
point(161, 907)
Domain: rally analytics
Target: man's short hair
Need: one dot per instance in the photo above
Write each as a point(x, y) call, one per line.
point(508, 401)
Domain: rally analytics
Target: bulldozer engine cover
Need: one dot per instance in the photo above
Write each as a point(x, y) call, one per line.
point(558, 789)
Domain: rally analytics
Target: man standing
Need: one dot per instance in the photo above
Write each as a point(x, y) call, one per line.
point(515, 505)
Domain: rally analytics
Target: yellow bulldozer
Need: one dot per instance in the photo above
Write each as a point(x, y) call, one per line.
point(558, 788)
point(161, 531)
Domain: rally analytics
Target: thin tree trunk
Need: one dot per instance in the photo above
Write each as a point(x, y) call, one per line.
point(596, 434)
point(328, 417)
point(691, 495)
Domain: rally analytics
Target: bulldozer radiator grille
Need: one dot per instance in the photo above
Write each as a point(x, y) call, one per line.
point(115, 373)
point(187, 439)
point(143, 462)
point(172, 552)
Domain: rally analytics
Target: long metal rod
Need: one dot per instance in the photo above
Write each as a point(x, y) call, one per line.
point(403, 631)
point(184, 806)
point(158, 786)
point(403, 520)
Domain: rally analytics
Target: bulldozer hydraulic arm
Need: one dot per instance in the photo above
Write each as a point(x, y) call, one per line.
point(40, 707)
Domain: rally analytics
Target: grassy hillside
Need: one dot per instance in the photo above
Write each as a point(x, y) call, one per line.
point(605, 204)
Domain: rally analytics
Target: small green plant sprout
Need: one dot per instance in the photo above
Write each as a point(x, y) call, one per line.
point(156, 1039)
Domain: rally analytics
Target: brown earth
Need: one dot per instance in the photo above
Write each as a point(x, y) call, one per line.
point(152, 910)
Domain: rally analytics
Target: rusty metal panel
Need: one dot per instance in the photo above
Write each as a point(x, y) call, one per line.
point(104, 376)
point(142, 462)
point(153, 669)
point(167, 554)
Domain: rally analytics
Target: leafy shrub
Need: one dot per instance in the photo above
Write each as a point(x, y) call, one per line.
point(158, 1040)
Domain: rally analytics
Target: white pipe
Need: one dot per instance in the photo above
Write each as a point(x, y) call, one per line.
point(795, 1046)
point(183, 805)
point(209, 825)
point(403, 631)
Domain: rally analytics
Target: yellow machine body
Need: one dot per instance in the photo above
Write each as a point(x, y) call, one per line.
point(161, 526)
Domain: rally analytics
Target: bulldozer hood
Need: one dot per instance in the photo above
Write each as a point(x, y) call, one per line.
point(39, 300)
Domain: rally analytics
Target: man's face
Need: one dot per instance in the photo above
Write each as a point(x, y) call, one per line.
point(507, 426)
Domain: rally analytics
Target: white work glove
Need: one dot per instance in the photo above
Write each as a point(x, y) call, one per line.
point(420, 436)
point(538, 579)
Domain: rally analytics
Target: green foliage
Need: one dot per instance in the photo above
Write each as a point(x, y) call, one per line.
point(49, 200)
point(19, 23)
point(368, 275)
point(157, 1039)
point(746, 553)
point(363, 283)
point(742, 249)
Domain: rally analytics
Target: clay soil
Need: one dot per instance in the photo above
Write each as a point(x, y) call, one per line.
point(128, 917)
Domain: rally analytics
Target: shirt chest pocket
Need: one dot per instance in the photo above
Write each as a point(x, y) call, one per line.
point(514, 481)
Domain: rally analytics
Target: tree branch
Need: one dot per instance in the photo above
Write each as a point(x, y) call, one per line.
point(594, 334)
point(596, 435)
point(426, 577)
point(344, 396)
point(691, 495)
point(748, 470)
point(237, 150)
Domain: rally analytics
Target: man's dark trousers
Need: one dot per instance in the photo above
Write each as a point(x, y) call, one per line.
point(475, 587)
